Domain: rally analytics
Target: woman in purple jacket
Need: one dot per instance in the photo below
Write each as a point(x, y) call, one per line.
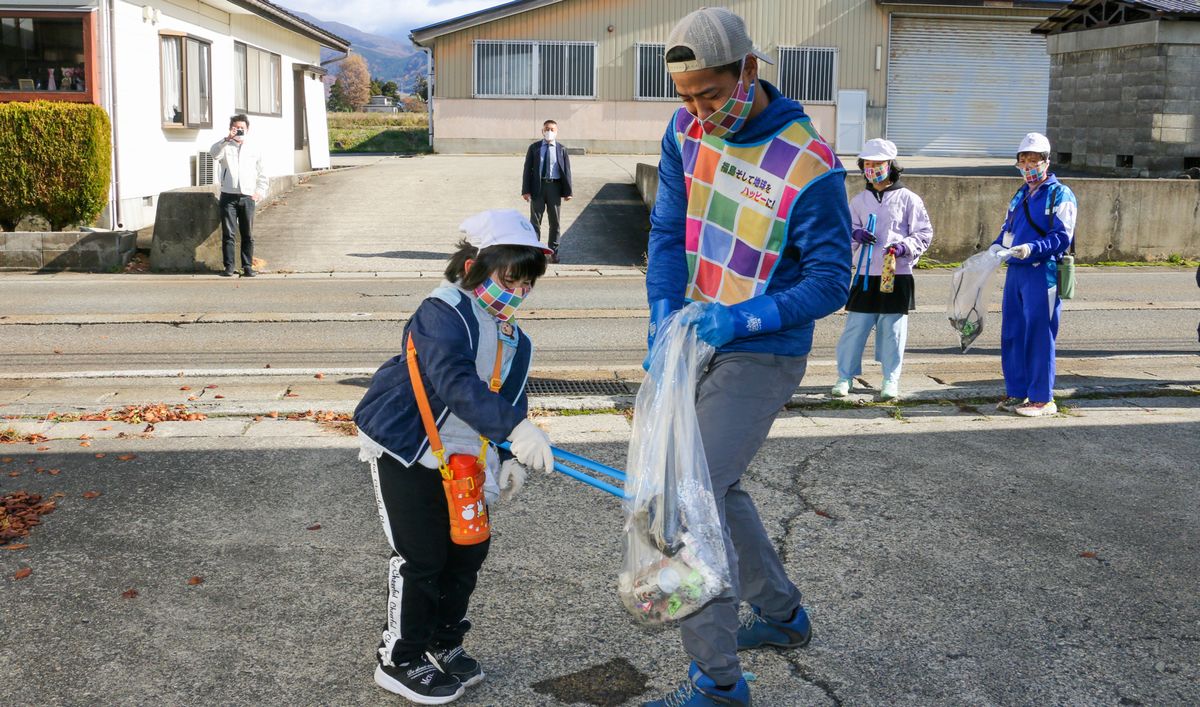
point(902, 228)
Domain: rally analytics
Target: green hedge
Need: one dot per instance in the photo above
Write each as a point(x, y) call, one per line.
point(55, 160)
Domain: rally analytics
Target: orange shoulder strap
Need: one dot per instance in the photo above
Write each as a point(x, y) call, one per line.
point(414, 375)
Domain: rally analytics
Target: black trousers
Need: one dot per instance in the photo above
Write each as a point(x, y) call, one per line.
point(549, 200)
point(237, 215)
point(430, 579)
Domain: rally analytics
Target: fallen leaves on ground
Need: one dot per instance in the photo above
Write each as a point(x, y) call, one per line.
point(320, 416)
point(1088, 554)
point(20, 511)
point(320, 376)
point(137, 414)
point(314, 526)
point(100, 455)
point(194, 581)
point(210, 386)
point(14, 546)
point(138, 263)
point(185, 387)
point(23, 573)
point(85, 444)
point(126, 457)
point(130, 593)
point(91, 494)
point(9, 435)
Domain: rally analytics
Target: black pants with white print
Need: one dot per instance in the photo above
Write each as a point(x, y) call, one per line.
point(430, 579)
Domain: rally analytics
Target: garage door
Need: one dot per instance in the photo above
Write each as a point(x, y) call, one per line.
point(965, 86)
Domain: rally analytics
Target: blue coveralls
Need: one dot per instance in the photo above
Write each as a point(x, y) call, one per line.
point(1031, 307)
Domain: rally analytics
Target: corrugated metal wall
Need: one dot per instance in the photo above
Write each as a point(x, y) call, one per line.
point(855, 27)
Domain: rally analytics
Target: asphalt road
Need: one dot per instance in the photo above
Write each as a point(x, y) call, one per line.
point(953, 557)
point(131, 323)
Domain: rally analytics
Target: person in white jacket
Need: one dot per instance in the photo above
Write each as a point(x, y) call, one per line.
point(243, 185)
point(902, 228)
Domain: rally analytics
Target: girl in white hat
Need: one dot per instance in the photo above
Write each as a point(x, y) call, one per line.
point(901, 228)
point(458, 388)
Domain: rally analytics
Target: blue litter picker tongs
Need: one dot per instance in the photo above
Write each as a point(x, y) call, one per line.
point(561, 456)
point(865, 253)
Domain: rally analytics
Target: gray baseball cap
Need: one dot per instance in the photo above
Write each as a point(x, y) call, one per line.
point(716, 36)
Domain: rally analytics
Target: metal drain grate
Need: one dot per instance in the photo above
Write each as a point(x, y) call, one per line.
point(554, 386)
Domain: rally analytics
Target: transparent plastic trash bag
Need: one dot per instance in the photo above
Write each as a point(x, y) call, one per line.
point(674, 551)
point(968, 292)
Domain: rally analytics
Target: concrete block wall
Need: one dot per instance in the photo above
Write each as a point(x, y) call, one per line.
point(1139, 101)
point(66, 250)
point(1119, 219)
point(187, 227)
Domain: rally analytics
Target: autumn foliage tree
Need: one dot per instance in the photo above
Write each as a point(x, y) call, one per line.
point(354, 80)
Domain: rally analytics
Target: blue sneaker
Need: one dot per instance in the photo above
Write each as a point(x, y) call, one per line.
point(758, 631)
point(699, 690)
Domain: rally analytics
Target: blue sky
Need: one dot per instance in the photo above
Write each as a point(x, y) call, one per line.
point(388, 17)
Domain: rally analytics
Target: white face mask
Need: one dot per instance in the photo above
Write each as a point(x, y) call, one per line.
point(549, 135)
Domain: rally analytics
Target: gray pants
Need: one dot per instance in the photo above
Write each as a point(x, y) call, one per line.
point(738, 399)
point(548, 202)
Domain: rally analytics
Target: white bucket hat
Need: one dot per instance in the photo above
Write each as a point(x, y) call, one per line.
point(501, 227)
point(1034, 142)
point(878, 150)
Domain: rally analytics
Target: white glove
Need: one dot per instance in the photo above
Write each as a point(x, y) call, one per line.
point(531, 447)
point(512, 478)
point(1021, 252)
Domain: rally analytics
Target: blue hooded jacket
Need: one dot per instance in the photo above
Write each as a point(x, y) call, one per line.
point(812, 279)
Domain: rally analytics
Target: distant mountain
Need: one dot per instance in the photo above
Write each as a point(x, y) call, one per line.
point(389, 59)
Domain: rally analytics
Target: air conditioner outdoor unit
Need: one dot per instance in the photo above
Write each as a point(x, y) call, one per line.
point(204, 169)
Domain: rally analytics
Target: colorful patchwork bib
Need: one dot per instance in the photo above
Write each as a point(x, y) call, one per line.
point(739, 198)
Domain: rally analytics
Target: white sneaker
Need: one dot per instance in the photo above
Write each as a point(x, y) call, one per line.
point(890, 390)
point(1037, 409)
point(841, 389)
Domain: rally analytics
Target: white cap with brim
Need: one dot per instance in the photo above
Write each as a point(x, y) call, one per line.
point(501, 227)
point(716, 37)
point(1034, 142)
point(878, 150)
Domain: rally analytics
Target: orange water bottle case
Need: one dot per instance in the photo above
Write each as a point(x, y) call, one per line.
point(464, 496)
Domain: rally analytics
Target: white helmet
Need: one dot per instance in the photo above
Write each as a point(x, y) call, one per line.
point(878, 150)
point(1035, 142)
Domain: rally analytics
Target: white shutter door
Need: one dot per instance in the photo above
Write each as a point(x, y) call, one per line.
point(965, 86)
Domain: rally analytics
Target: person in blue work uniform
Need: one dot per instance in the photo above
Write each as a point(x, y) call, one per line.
point(752, 220)
point(1037, 231)
point(463, 333)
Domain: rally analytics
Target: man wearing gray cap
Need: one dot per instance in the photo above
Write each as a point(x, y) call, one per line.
point(752, 221)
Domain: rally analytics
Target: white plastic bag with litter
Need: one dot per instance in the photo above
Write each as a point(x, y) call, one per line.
point(674, 551)
point(968, 294)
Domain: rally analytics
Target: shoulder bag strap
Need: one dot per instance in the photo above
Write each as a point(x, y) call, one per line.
point(431, 430)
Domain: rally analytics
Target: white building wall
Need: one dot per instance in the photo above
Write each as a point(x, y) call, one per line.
point(154, 159)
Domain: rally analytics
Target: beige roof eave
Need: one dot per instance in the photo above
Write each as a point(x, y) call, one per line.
point(422, 36)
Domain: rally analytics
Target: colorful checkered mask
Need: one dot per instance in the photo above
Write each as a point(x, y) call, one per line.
point(730, 117)
point(877, 175)
point(498, 301)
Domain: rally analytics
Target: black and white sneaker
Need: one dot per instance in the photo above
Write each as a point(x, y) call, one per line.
point(419, 681)
point(455, 661)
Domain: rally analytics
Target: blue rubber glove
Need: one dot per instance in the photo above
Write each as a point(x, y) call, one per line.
point(659, 311)
point(718, 324)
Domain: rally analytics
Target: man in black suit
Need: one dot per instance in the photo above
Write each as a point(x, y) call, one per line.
point(546, 181)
